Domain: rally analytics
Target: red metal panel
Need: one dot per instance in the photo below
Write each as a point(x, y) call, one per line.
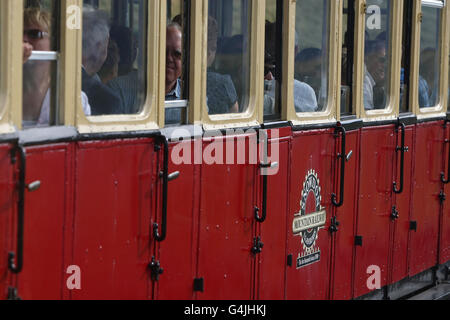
point(312, 157)
point(378, 146)
point(7, 210)
point(403, 205)
point(345, 215)
point(177, 254)
point(272, 260)
point(45, 213)
point(444, 254)
point(114, 196)
point(426, 205)
point(226, 230)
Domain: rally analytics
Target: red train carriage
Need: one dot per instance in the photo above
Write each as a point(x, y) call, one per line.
point(213, 150)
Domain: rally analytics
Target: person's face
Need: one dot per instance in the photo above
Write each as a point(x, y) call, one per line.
point(376, 64)
point(37, 36)
point(309, 72)
point(173, 55)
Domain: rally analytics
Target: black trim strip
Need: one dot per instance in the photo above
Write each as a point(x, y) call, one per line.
point(315, 126)
point(425, 120)
point(408, 118)
point(351, 124)
point(379, 123)
point(276, 125)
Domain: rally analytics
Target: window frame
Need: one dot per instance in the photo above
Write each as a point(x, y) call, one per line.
point(440, 109)
point(253, 116)
point(392, 110)
point(331, 111)
point(151, 116)
point(11, 27)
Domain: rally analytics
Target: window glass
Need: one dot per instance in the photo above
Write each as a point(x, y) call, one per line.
point(272, 61)
point(376, 59)
point(114, 56)
point(228, 56)
point(177, 40)
point(406, 56)
point(311, 55)
point(40, 63)
point(347, 57)
point(429, 74)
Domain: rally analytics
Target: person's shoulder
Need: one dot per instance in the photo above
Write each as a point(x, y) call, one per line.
point(302, 87)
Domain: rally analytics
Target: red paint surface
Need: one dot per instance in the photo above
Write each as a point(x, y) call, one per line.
point(312, 150)
point(444, 246)
point(344, 238)
point(403, 203)
point(374, 204)
point(226, 229)
point(8, 209)
point(114, 200)
point(426, 188)
point(45, 213)
point(272, 260)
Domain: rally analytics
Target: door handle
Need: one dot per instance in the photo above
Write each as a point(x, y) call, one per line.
point(443, 178)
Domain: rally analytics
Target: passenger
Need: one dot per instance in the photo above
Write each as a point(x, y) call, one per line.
point(110, 69)
point(37, 74)
point(305, 99)
point(308, 68)
point(229, 61)
point(374, 75)
point(128, 47)
point(102, 99)
point(221, 93)
point(128, 86)
point(428, 76)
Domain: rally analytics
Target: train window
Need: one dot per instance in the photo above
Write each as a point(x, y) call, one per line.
point(406, 56)
point(177, 40)
point(376, 59)
point(272, 61)
point(114, 69)
point(228, 56)
point(40, 63)
point(347, 57)
point(429, 69)
point(311, 55)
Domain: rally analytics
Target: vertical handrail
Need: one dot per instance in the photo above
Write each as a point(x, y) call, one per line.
point(343, 157)
point(403, 149)
point(15, 259)
point(165, 176)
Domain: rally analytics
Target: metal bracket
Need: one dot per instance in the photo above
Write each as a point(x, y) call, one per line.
point(334, 225)
point(413, 225)
point(394, 214)
point(257, 245)
point(358, 241)
point(13, 294)
point(199, 285)
point(155, 269)
point(442, 197)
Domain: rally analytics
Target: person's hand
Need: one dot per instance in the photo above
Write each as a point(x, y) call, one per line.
point(27, 50)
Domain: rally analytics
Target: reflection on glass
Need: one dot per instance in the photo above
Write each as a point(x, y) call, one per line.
point(228, 56)
point(377, 34)
point(429, 57)
point(113, 60)
point(347, 59)
point(311, 56)
point(40, 64)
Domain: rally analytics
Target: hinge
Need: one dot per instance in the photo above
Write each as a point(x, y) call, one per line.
point(289, 260)
point(334, 225)
point(199, 285)
point(413, 225)
point(155, 269)
point(442, 196)
point(13, 294)
point(358, 241)
point(364, 8)
point(394, 213)
point(257, 245)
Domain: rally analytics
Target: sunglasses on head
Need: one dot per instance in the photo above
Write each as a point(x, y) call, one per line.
point(35, 34)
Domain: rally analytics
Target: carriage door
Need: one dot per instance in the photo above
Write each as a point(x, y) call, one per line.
point(8, 209)
point(429, 142)
point(378, 144)
point(313, 156)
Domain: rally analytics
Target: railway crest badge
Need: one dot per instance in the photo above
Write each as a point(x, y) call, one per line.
point(311, 218)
